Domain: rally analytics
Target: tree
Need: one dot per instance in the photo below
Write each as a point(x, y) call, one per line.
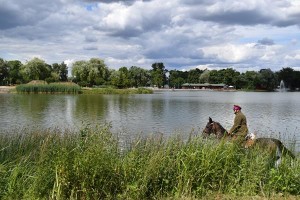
point(230, 76)
point(268, 80)
point(138, 76)
point(3, 72)
point(158, 74)
point(89, 73)
point(248, 80)
point(15, 76)
point(120, 78)
point(80, 72)
point(100, 71)
point(205, 76)
point(35, 69)
point(177, 78)
point(287, 75)
point(194, 75)
point(60, 71)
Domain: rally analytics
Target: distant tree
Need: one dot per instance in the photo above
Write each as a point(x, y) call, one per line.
point(60, 71)
point(205, 77)
point(14, 68)
point(229, 76)
point(194, 75)
point(100, 74)
point(248, 80)
point(268, 79)
point(286, 75)
point(138, 76)
point(89, 73)
point(158, 74)
point(120, 78)
point(3, 72)
point(296, 80)
point(177, 78)
point(80, 72)
point(35, 69)
point(215, 77)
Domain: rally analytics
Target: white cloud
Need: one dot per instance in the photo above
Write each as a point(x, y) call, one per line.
point(183, 34)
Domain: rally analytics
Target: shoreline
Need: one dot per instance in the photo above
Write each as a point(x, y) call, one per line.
point(6, 89)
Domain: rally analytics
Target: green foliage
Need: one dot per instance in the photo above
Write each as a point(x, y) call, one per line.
point(94, 164)
point(4, 72)
point(158, 75)
point(177, 78)
point(49, 88)
point(35, 69)
point(268, 79)
point(94, 72)
point(89, 73)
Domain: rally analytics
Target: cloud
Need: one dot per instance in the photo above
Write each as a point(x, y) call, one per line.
point(180, 33)
point(26, 12)
point(266, 41)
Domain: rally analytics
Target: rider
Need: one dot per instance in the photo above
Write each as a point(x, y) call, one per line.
point(239, 129)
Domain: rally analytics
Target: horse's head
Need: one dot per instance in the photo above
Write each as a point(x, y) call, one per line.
point(214, 128)
point(208, 128)
point(250, 138)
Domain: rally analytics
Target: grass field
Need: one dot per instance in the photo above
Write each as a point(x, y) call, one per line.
point(91, 164)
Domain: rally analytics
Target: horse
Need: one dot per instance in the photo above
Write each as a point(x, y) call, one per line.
point(215, 129)
point(271, 145)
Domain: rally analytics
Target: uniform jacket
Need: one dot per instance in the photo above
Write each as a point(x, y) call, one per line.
point(239, 127)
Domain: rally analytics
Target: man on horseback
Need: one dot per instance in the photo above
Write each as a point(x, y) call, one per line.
point(239, 129)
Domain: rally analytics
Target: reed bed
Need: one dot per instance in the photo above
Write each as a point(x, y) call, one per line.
point(117, 91)
point(91, 164)
point(49, 88)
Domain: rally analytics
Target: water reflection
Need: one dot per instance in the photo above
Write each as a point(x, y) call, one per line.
point(269, 114)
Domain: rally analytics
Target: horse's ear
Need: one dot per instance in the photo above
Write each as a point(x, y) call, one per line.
point(210, 120)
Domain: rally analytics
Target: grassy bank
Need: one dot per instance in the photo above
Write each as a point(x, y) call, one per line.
point(90, 164)
point(116, 91)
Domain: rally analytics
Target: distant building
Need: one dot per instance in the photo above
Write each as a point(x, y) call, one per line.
point(204, 86)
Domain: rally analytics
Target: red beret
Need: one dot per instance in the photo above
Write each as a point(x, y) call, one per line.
point(236, 107)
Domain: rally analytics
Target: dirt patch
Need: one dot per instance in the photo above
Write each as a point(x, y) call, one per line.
point(6, 89)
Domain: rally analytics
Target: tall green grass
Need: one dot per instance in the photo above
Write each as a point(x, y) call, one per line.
point(49, 88)
point(91, 164)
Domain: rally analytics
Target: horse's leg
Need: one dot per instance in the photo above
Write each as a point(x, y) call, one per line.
point(278, 156)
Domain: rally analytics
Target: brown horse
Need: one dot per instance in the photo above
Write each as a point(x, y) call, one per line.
point(271, 145)
point(215, 129)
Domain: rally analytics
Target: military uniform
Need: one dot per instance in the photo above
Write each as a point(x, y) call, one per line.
point(239, 128)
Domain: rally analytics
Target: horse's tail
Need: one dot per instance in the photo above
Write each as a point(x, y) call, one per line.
point(283, 149)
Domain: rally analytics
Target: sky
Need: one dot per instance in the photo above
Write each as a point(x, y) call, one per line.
point(182, 34)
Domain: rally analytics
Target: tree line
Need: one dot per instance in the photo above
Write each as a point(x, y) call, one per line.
point(95, 73)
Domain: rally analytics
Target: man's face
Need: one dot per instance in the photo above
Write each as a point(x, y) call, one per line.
point(235, 111)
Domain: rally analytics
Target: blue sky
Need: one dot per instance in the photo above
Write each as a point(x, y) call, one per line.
point(183, 34)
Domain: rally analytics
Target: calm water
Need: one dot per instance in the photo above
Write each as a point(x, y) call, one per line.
point(275, 114)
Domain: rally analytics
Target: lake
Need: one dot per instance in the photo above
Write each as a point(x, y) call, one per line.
point(275, 114)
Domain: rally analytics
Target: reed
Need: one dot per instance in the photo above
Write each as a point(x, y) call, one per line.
point(49, 88)
point(91, 164)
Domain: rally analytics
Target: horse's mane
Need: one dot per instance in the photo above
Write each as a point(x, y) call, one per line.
point(220, 131)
